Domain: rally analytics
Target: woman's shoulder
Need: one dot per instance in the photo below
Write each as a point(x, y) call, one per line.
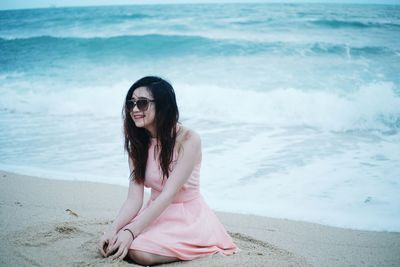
point(186, 134)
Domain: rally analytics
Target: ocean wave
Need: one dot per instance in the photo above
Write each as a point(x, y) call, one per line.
point(49, 49)
point(344, 49)
point(336, 23)
point(156, 45)
point(371, 107)
point(133, 16)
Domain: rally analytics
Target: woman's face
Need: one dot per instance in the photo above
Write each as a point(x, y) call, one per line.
point(144, 119)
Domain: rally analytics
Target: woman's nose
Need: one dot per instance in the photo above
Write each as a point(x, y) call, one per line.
point(135, 108)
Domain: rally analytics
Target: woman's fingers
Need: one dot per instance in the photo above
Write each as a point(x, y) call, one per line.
point(112, 241)
point(124, 254)
point(121, 253)
point(111, 249)
point(101, 245)
point(118, 253)
point(111, 244)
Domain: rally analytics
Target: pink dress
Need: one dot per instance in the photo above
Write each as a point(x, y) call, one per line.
point(187, 229)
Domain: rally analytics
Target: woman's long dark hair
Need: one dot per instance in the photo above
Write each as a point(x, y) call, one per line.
point(137, 140)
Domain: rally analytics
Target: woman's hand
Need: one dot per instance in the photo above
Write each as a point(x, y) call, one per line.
point(121, 242)
point(106, 241)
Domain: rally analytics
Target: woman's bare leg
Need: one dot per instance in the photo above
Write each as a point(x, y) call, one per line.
point(146, 258)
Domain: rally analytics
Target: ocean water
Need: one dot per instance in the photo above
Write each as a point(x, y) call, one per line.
point(298, 105)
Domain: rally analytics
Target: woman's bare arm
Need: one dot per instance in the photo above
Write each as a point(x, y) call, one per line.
point(178, 177)
point(132, 204)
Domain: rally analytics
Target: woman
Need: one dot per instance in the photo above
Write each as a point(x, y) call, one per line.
point(176, 223)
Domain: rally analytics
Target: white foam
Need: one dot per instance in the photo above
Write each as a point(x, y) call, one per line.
point(97, 101)
point(374, 106)
point(350, 184)
point(369, 107)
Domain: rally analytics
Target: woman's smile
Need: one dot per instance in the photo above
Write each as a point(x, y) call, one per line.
point(138, 116)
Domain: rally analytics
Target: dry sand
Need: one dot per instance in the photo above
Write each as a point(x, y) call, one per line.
point(36, 230)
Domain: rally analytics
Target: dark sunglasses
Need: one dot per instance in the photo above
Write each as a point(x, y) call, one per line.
point(142, 104)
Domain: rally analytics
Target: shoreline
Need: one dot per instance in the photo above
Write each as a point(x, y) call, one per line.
point(41, 232)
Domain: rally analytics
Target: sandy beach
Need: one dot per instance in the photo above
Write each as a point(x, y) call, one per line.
point(52, 222)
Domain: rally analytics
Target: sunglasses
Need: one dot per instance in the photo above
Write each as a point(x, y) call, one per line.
point(142, 104)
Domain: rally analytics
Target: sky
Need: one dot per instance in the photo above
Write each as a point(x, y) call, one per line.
point(18, 4)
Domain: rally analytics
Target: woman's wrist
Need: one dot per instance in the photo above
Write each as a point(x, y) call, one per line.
point(130, 231)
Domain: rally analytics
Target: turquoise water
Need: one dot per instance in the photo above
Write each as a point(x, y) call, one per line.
point(298, 105)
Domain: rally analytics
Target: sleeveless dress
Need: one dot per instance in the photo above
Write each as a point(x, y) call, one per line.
point(187, 229)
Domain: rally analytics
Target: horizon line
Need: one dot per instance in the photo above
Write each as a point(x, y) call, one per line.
point(199, 3)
